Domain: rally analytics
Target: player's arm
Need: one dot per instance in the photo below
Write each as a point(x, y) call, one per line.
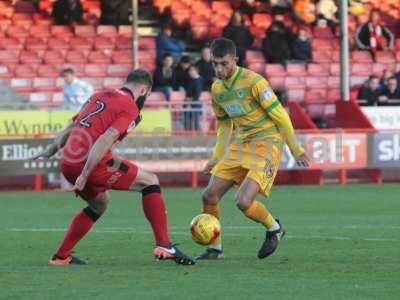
point(57, 144)
point(224, 133)
point(270, 103)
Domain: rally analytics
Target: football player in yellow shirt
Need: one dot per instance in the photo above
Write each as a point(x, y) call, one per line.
point(252, 127)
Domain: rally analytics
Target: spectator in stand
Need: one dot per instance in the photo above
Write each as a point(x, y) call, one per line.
point(390, 92)
point(369, 94)
point(326, 10)
point(305, 10)
point(116, 12)
point(182, 73)
point(193, 110)
point(164, 76)
point(301, 47)
point(206, 68)
point(281, 6)
point(76, 91)
point(67, 12)
point(373, 35)
point(237, 31)
point(165, 43)
point(277, 42)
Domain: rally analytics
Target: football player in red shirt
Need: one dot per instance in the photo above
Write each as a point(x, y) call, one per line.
point(88, 163)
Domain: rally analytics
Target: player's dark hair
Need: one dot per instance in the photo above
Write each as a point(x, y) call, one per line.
point(67, 71)
point(223, 46)
point(167, 54)
point(140, 76)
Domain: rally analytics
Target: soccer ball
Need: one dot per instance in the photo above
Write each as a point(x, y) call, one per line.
point(204, 229)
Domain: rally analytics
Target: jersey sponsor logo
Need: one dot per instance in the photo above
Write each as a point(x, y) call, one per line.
point(233, 109)
point(267, 93)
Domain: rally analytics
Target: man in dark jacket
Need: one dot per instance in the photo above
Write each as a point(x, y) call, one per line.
point(193, 110)
point(373, 35)
point(67, 12)
point(276, 45)
point(301, 47)
point(237, 31)
point(391, 92)
point(206, 69)
point(182, 73)
point(369, 94)
point(164, 76)
point(116, 12)
point(165, 43)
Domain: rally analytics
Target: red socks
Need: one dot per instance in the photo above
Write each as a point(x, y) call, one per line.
point(156, 213)
point(78, 228)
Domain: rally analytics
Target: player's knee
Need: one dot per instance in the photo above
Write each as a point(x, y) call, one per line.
point(209, 197)
point(242, 202)
point(100, 204)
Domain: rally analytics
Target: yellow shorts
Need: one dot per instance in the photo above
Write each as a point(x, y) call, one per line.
point(258, 161)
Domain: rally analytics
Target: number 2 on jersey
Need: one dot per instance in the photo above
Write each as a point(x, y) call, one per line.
point(85, 120)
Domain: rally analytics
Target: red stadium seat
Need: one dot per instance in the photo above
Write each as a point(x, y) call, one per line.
point(385, 57)
point(96, 70)
point(361, 69)
point(17, 32)
point(335, 69)
point(107, 30)
point(294, 82)
point(29, 57)
point(177, 96)
point(296, 70)
point(81, 43)
point(316, 111)
point(156, 99)
point(99, 57)
point(322, 56)
point(57, 43)
point(40, 31)
point(54, 57)
point(22, 85)
point(61, 31)
point(118, 70)
point(35, 43)
point(113, 82)
point(125, 30)
point(336, 56)
point(334, 82)
point(123, 42)
point(277, 82)
point(97, 83)
point(316, 82)
point(318, 69)
point(147, 43)
point(10, 43)
point(48, 71)
point(315, 96)
point(5, 72)
point(25, 71)
point(58, 98)
point(379, 68)
point(258, 32)
point(253, 56)
point(358, 80)
point(122, 57)
point(333, 95)
point(85, 31)
point(262, 20)
point(77, 56)
point(104, 42)
point(361, 57)
point(322, 44)
point(272, 70)
point(44, 84)
point(9, 56)
point(257, 67)
point(296, 95)
point(323, 33)
point(40, 97)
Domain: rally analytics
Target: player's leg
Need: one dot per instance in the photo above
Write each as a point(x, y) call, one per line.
point(256, 211)
point(215, 190)
point(79, 227)
point(156, 213)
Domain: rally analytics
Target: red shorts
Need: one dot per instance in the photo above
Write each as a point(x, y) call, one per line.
point(110, 174)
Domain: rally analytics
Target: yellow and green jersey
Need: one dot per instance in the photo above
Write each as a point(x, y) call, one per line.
point(246, 102)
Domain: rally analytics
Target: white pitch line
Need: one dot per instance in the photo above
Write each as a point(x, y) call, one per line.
point(143, 231)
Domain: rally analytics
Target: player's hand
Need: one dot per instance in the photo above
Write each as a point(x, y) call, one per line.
point(303, 160)
point(80, 183)
point(210, 164)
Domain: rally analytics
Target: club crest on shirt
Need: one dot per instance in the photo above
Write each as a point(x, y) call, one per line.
point(267, 93)
point(233, 109)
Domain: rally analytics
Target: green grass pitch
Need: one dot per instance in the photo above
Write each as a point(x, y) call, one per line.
point(343, 242)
